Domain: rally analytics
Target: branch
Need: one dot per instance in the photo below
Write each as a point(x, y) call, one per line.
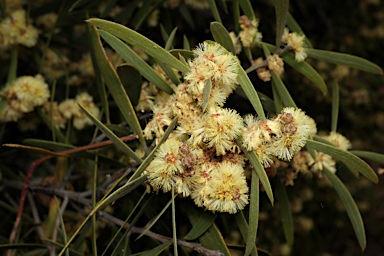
point(38, 162)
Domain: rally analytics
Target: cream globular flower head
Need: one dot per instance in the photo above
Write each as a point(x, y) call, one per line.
point(23, 95)
point(322, 161)
point(165, 166)
point(218, 129)
point(81, 120)
point(275, 63)
point(212, 62)
point(227, 189)
point(296, 129)
point(249, 34)
point(296, 43)
point(339, 141)
point(302, 161)
point(162, 117)
point(175, 165)
point(15, 30)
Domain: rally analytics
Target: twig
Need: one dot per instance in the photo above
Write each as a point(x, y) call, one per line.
point(36, 163)
point(36, 217)
point(195, 246)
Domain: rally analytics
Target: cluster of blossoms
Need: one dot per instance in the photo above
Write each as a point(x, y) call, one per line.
point(26, 93)
point(249, 33)
point(15, 28)
point(295, 42)
point(303, 161)
point(201, 157)
point(69, 109)
point(22, 96)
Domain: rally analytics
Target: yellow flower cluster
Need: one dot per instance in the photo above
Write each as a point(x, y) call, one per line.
point(249, 33)
point(280, 137)
point(22, 96)
point(15, 29)
point(303, 161)
point(69, 108)
point(201, 158)
point(296, 43)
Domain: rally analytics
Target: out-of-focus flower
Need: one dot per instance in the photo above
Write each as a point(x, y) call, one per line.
point(296, 43)
point(249, 34)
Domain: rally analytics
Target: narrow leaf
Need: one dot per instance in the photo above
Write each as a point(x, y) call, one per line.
point(187, 54)
point(379, 158)
point(277, 100)
point(285, 211)
point(251, 93)
point(57, 146)
point(62, 224)
point(187, 16)
point(171, 38)
point(214, 10)
point(350, 207)
point(170, 72)
point(221, 35)
point(102, 91)
point(282, 91)
point(351, 161)
point(132, 58)
point(206, 92)
point(36, 150)
point(142, 14)
point(12, 73)
point(346, 60)
point(186, 45)
point(134, 38)
point(116, 140)
point(243, 226)
point(335, 105)
point(212, 238)
point(259, 170)
point(307, 70)
point(253, 215)
point(154, 220)
point(174, 228)
point(236, 15)
point(247, 8)
point(131, 80)
point(281, 9)
point(115, 87)
point(157, 250)
point(202, 224)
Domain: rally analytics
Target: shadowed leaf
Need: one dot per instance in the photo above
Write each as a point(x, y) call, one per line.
point(202, 224)
point(131, 80)
point(220, 34)
point(285, 211)
point(115, 87)
point(281, 10)
point(350, 207)
point(346, 60)
point(134, 38)
point(253, 215)
point(132, 58)
point(351, 161)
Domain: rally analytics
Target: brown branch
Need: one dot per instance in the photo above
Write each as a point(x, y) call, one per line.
point(195, 246)
point(36, 163)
